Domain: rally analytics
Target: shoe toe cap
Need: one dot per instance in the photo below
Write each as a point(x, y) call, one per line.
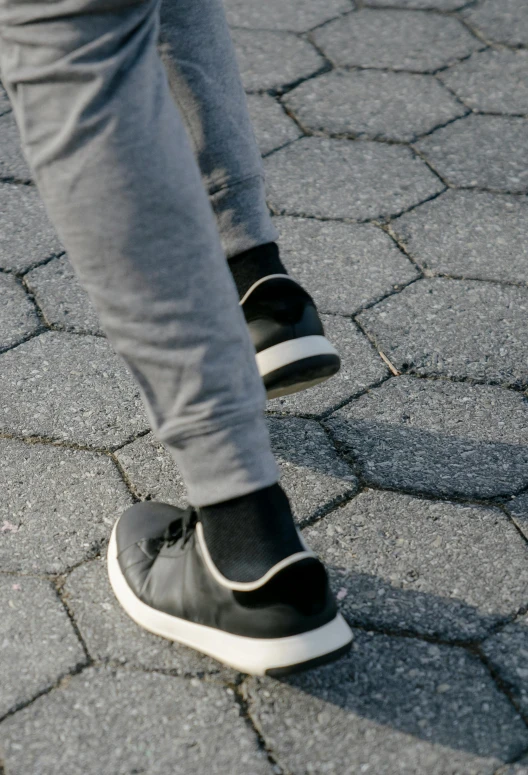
point(144, 522)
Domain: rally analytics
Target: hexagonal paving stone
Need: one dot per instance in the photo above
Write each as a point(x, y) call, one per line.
point(64, 303)
point(517, 508)
point(296, 15)
point(493, 81)
point(69, 387)
point(439, 5)
point(469, 234)
point(394, 706)
point(110, 634)
point(324, 178)
point(37, 640)
point(5, 105)
point(361, 367)
point(57, 506)
point(311, 473)
point(434, 568)
point(273, 128)
point(26, 235)
point(455, 328)
point(18, 318)
point(360, 263)
point(503, 21)
point(413, 41)
point(269, 60)
point(373, 104)
point(438, 437)
point(507, 652)
point(132, 722)
point(12, 162)
point(481, 152)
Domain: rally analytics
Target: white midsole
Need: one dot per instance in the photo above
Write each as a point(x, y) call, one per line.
point(284, 353)
point(248, 655)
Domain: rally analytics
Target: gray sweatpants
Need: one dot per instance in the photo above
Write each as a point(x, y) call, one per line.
point(134, 202)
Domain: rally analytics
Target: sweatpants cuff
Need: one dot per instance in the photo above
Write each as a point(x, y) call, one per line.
point(242, 216)
point(226, 463)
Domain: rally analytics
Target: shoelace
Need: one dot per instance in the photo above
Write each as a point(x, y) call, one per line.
point(181, 528)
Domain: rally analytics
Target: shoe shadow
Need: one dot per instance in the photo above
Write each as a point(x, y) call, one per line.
point(394, 704)
point(401, 703)
point(413, 459)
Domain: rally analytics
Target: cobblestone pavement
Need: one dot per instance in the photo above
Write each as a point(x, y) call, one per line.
point(395, 136)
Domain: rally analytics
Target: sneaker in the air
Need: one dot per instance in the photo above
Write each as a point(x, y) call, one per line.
point(292, 351)
point(162, 574)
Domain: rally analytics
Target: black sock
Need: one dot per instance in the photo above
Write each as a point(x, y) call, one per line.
point(252, 265)
point(249, 535)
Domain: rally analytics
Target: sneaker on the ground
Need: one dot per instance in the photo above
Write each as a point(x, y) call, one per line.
point(162, 574)
point(292, 351)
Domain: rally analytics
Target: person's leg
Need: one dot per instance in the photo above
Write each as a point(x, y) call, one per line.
point(112, 161)
point(110, 156)
point(292, 350)
point(198, 54)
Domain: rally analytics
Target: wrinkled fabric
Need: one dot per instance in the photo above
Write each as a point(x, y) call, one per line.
point(124, 186)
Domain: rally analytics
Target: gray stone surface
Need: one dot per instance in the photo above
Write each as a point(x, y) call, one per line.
point(359, 262)
point(18, 318)
point(502, 21)
point(37, 641)
point(12, 163)
point(455, 328)
point(273, 128)
point(57, 507)
point(394, 706)
point(5, 105)
point(103, 722)
point(426, 566)
point(64, 303)
point(270, 60)
point(76, 389)
point(110, 634)
point(311, 473)
point(26, 235)
point(296, 15)
point(361, 367)
point(481, 152)
point(507, 652)
point(515, 769)
point(517, 508)
point(373, 104)
point(438, 437)
point(438, 5)
point(151, 471)
point(358, 181)
point(391, 39)
point(434, 568)
point(469, 234)
point(493, 81)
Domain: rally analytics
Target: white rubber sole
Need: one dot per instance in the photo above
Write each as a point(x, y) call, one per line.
point(286, 353)
point(255, 656)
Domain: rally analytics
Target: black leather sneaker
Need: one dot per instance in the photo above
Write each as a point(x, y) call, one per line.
point(163, 576)
point(292, 351)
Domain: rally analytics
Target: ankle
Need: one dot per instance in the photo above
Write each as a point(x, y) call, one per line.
point(252, 265)
point(247, 536)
